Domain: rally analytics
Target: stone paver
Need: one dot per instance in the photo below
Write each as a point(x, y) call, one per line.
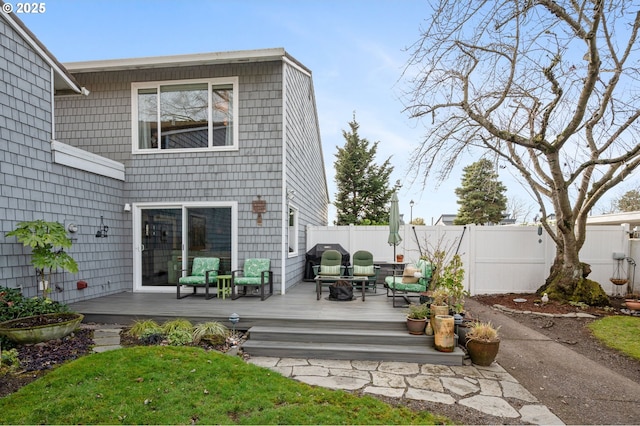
point(539, 415)
point(490, 405)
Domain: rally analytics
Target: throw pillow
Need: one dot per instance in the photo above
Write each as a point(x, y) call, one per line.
point(330, 270)
point(363, 270)
point(409, 275)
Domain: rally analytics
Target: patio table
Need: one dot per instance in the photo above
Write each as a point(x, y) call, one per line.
point(326, 279)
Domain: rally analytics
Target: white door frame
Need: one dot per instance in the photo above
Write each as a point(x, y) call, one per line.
point(137, 237)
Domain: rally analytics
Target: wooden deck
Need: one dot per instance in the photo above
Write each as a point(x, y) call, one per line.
point(299, 304)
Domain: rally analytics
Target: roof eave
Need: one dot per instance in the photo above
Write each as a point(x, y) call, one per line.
point(238, 56)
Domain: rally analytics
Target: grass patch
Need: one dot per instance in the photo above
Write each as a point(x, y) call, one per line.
point(620, 333)
point(187, 385)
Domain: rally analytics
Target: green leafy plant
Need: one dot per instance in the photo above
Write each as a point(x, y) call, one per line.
point(47, 241)
point(180, 337)
point(440, 296)
point(211, 331)
point(483, 331)
point(14, 305)
point(452, 279)
point(416, 311)
point(9, 361)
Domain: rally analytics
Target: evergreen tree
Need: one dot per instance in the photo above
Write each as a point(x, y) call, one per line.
point(363, 186)
point(481, 196)
point(629, 201)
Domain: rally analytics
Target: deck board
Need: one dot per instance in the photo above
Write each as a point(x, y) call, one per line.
point(299, 303)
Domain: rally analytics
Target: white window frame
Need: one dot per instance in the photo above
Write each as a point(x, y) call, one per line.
point(211, 82)
point(292, 229)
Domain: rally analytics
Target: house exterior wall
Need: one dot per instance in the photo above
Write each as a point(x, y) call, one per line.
point(35, 187)
point(304, 163)
point(101, 123)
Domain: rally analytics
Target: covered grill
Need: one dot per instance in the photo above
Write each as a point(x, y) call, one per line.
point(314, 256)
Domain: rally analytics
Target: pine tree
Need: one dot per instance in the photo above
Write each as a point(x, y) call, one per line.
point(363, 186)
point(481, 196)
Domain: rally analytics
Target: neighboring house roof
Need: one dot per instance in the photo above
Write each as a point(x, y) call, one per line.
point(63, 81)
point(447, 220)
point(237, 56)
point(632, 218)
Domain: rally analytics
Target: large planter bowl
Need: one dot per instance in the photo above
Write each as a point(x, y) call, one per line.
point(632, 304)
point(481, 352)
point(56, 326)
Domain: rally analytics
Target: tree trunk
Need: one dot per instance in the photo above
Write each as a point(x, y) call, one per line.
point(568, 281)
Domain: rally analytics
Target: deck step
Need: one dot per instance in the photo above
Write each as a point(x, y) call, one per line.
point(347, 343)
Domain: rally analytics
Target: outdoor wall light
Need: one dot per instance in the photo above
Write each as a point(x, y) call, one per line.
point(102, 231)
point(127, 207)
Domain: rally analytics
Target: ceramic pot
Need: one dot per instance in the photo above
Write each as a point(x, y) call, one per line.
point(67, 323)
point(482, 352)
point(437, 310)
point(632, 304)
point(416, 326)
point(443, 331)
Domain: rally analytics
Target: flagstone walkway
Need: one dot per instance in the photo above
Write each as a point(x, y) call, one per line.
point(486, 389)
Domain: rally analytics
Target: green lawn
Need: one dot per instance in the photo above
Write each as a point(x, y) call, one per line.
point(619, 332)
point(187, 385)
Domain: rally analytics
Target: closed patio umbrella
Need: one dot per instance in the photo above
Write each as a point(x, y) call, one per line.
point(394, 224)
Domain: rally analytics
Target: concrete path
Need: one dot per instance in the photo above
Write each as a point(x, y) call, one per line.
point(575, 388)
point(490, 390)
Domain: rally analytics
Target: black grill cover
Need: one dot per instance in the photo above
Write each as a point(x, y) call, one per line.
point(314, 256)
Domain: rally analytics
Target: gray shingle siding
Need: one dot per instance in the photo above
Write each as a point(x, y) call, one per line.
point(33, 187)
point(304, 163)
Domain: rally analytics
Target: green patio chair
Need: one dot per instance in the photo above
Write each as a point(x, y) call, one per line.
point(330, 264)
point(404, 286)
point(255, 274)
point(204, 272)
point(362, 266)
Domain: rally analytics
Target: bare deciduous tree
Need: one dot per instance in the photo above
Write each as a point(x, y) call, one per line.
point(551, 87)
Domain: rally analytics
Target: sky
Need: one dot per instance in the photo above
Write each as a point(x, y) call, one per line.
point(357, 51)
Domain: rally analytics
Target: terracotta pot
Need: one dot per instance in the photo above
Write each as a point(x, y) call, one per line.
point(632, 304)
point(481, 352)
point(416, 326)
point(443, 331)
point(399, 258)
point(41, 333)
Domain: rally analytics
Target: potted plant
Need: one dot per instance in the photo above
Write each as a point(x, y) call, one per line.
point(417, 318)
point(33, 320)
point(632, 301)
point(452, 279)
point(483, 343)
point(47, 241)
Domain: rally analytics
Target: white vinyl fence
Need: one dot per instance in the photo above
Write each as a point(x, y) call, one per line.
point(497, 259)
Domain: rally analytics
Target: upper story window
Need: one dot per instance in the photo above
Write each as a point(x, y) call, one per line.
point(185, 115)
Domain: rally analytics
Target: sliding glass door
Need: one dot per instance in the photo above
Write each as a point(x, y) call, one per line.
point(170, 237)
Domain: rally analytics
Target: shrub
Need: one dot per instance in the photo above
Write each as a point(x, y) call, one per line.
point(212, 331)
point(418, 311)
point(143, 328)
point(14, 305)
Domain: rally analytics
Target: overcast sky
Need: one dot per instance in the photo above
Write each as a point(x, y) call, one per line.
point(356, 49)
